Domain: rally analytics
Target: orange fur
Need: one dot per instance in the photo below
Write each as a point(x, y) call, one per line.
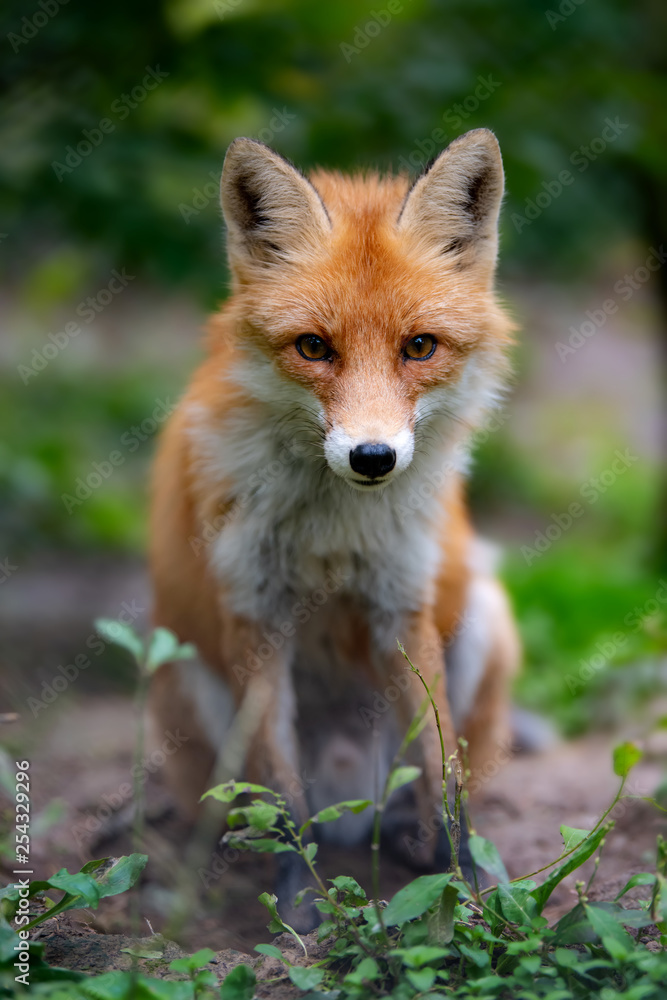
point(366, 289)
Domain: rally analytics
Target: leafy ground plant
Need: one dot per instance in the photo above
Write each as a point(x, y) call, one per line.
point(30, 907)
point(441, 935)
point(446, 935)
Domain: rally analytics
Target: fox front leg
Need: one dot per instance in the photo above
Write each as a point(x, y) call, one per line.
point(268, 742)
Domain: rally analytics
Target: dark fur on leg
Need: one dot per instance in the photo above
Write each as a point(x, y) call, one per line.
point(292, 877)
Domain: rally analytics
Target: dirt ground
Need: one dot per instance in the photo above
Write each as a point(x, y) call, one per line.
point(81, 746)
point(83, 764)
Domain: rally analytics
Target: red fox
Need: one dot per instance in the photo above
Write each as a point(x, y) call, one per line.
point(308, 502)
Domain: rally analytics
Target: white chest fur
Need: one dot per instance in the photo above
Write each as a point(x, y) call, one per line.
point(304, 529)
point(295, 524)
point(296, 528)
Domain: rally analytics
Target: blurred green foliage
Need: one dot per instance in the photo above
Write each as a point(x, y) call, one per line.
point(63, 435)
point(338, 84)
point(570, 600)
point(342, 85)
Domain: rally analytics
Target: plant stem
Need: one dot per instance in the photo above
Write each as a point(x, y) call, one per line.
point(565, 854)
point(138, 797)
point(447, 815)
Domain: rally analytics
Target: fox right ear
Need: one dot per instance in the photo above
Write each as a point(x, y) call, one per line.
point(453, 207)
point(273, 213)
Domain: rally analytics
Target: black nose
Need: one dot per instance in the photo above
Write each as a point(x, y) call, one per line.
point(372, 460)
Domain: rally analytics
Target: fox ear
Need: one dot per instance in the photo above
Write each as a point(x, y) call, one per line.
point(454, 205)
point(273, 213)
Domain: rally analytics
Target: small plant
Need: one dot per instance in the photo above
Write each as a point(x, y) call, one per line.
point(444, 935)
point(95, 881)
point(162, 646)
point(441, 935)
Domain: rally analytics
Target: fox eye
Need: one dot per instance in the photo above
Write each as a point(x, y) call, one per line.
point(313, 348)
point(420, 348)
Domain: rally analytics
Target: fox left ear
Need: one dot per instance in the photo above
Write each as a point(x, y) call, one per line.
point(273, 213)
point(454, 205)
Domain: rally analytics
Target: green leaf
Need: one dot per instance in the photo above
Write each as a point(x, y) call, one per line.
point(415, 898)
point(230, 790)
point(193, 962)
point(349, 885)
point(402, 776)
point(531, 964)
point(311, 850)
point(261, 845)
point(276, 925)
point(164, 647)
point(94, 866)
point(574, 927)
point(368, 969)
point(485, 855)
point(626, 755)
point(239, 984)
point(421, 979)
point(8, 938)
point(121, 635)
point(260, 815)
point(572, 836)
point(330, 813)
point(618, 951)
point(477, 955)
point(641, 878)
point(441, 921)
point(607, 927)
point(576, 859)
point(566, 957)
point(122, 875)
point(82, 889)
point(326, 928)
point(305, 979)
point(517, 904)
point(271, 950)
point(79, 885)
point(419, 955)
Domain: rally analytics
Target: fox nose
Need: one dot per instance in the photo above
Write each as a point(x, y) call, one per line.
point(372, 460)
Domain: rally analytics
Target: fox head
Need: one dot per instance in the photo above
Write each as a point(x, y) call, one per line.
point(366, 303)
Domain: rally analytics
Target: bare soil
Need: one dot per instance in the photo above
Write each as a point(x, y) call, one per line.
point(83, 761)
